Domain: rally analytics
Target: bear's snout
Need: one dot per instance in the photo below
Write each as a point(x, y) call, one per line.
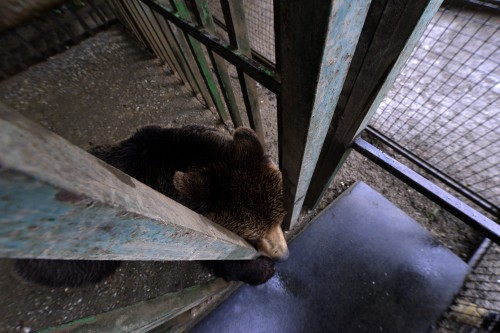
point(273, 245)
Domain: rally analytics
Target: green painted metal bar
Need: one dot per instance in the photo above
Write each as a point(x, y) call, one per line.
point(154, 30)
point(265, 76)
point(59, 202)
point(174, 65)
point(146, 315)
point(388, 39)
point(129, 22)
point(190, 59)
point(176, 52)
point(138, 19)
point(201, 61)
point(153, 33)
point(255, 54)
point(311, 83)
point(166, 47)
point(205, 20)
point(179, 53)
point(234, 15)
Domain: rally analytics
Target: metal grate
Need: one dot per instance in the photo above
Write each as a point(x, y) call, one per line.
point(51, 33)
point(260, 25)
point(477, 308)
point(259, 16)
point(444, 106)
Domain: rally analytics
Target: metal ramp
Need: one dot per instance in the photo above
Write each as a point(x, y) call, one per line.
point(362, 266)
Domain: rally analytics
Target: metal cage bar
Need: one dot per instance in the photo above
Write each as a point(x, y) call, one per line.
point(53, 188)
point(201, 61)
point(465, 213)
point(204, 19)
point(177, 56)
point(160, 34)
point(387, 42)
point(130, 24)
point(311, 84)
point(234, 16)
point(262, 74)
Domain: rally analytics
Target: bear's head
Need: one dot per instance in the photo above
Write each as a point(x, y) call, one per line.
point(241, 192)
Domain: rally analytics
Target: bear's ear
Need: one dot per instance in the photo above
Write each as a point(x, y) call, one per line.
point(192, 185)
point(247, 145)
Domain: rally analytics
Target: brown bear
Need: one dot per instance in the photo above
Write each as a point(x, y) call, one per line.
point(228, 179)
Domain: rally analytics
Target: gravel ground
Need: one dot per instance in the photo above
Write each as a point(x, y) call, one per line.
point(99, 92)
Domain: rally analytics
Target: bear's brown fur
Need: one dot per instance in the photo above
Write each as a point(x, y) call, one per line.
point(229, 180)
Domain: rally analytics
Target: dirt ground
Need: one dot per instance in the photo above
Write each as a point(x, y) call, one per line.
point(101, 91)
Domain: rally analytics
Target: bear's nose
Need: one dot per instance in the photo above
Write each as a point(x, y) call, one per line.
point(284, 256)
point(273, 244)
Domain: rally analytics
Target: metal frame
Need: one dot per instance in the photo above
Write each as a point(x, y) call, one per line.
point(252, 68)
point(311, 84)
point(387, 41)
point(147, 315)
point(485, 204)
point(453, 205)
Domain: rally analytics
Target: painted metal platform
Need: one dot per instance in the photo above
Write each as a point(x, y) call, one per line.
point(362, 266)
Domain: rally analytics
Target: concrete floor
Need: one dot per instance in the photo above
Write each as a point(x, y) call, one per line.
point(362, 266)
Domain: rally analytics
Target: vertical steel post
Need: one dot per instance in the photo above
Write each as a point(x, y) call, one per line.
point(234, 15)
point(201, 61)
point(190, 61)
point(205, 20)
point(128, 21)
point(387, 40)
point(316, 46)
point(172, 61)
point(179, 58)
point(139, 20)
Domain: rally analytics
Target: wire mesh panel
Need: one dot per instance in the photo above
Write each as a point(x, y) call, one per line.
point(444, 106)
point(477, 307)
point(259, 15)
point(260, 25)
